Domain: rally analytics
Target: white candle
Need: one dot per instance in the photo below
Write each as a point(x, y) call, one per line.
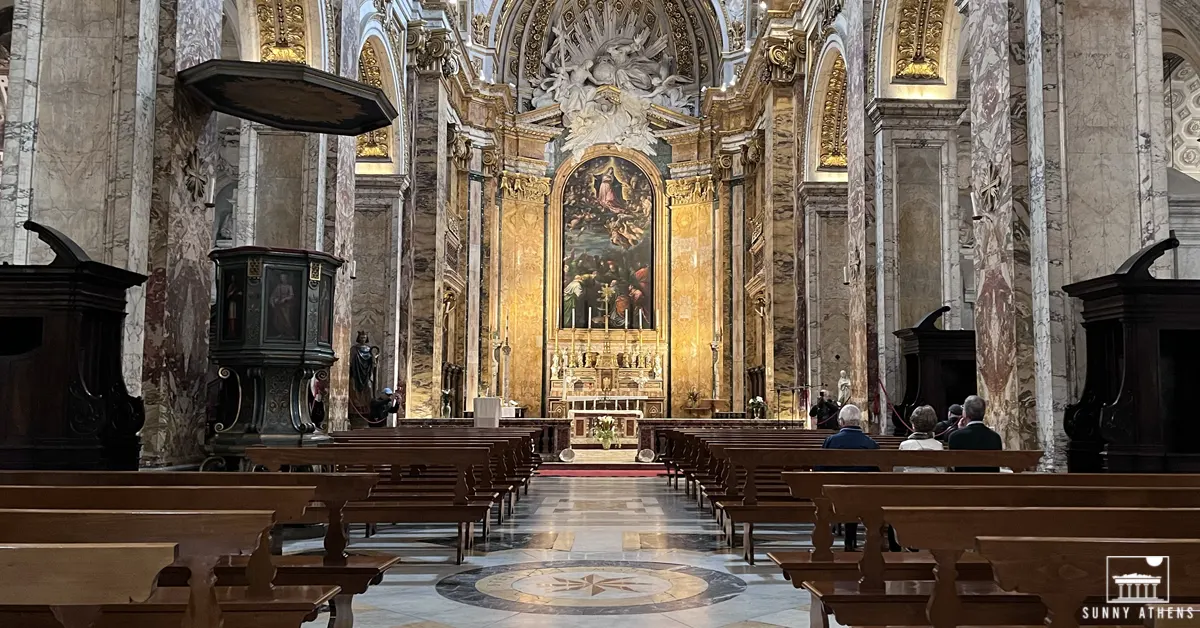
point(640, 326)
point(211, 196)
point(589, 317)
point(572, 318)
point(627, 320)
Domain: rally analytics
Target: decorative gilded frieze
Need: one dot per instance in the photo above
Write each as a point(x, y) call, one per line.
point(684, 47)
point(919, 40)
point(691, 190)
point(372, 144)
point(281, 30)
point(535, 38)
point(524, 187)
point(834, 119)
point(737, 36)
point(480, 28)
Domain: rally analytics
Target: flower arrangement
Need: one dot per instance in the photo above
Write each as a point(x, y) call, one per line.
point(757, 407)
point(606, 431)
point(693, 398)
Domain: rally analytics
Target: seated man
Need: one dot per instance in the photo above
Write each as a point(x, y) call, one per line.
point(975, 434)
point(851, 436)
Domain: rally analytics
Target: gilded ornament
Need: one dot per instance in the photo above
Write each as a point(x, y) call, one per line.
point(919, 40)
point(524, 187)
point(480, 28)
point(436, 54)
point(834, 118)
point(723, 164)
point(460, 149)
point(737, 35)
point(281, 31)
point(690, 190)
point(829, 11)
point(781, 61)
point(372, 144)
point(491, 160)
point(683, 42)
point(537, 34)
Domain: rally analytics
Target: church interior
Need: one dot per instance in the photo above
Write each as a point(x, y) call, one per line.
point(662, 313)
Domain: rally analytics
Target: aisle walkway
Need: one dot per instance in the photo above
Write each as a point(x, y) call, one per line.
point(586, 552)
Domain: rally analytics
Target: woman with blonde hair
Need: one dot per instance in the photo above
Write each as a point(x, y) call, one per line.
point(923, 420)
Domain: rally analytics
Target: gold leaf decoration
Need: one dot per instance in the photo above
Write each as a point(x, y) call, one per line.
point(480, 28)
point(834, 119)
point(281, 31)
point(737, 35)
point(919, 40)
point(690, 190)
point(372, 144)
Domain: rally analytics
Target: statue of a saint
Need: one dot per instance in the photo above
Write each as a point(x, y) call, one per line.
point(364, 369)
point(554, 368)
point(657, 366)
point(843, 388)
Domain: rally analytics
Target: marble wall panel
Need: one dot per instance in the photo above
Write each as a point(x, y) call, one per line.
point(779, 172)
point(429, 181)
point(860, 211)
point(246, 220)
point(21, 130)
point(522, 261)
point(279, 189)
point(376, 258)
point(180, 226)
point(726, 288)
point(692, 276)
point(489, 285)
point(826, 296)
point(918, 234)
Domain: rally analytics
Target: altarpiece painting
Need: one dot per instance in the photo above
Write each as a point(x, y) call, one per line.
point(608, 246)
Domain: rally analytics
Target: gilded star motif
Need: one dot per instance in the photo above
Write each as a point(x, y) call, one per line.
point(592, 584)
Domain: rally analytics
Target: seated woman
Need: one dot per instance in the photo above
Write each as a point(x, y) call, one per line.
point(923, 419)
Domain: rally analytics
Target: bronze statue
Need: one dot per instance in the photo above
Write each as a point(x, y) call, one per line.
point(364, 371)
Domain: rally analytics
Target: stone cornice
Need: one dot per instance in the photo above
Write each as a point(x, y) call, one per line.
point(907, 114)
point(828, 196)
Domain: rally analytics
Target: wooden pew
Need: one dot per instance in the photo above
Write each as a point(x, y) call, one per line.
point(351, 574)
point(202, 537)
point(749, 510)
point(948, 532)
point(1066, 573)
point(75, 580)
point(461, 507)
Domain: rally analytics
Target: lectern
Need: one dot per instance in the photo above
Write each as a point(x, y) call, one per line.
point(1137, 412)
point(63, 402)
point(274, 334)
point(939, 368)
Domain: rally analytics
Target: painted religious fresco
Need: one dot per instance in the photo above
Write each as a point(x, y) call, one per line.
point(608, 246)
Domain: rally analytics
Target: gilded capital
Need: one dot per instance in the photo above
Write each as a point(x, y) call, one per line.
point(524, 187)
point(782, 59)
point(435, 53)
point(690, 190)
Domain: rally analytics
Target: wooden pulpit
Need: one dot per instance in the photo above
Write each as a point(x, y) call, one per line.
point(938, 371)
point(63, 401)
point(1137, 413)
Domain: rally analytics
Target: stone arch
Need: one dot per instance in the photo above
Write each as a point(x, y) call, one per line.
point(521, 33)
point(917, 49)
point(290, 31)
point(378, 152)
point(827, 110)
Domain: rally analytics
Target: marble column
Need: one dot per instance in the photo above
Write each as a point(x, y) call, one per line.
point(477, 327)
point(334, 219)
point(79, 137)
point(860, 215)
point(737, 255)
point(917, 223)
point(826, 296)
point(779, 171)
point(489, 285)
point(377, 236)
point(424, 228)
point(177, 294)
point(1000, 197)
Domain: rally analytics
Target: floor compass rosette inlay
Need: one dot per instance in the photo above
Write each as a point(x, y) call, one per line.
point(590, 587)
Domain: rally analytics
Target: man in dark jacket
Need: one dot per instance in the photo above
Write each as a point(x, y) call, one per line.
point(382, 406)
point(824, 412)
point(975, 434)
point(944, 429)
point(851, 436)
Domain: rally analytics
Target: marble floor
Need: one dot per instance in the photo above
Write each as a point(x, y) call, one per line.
point(591, 552)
